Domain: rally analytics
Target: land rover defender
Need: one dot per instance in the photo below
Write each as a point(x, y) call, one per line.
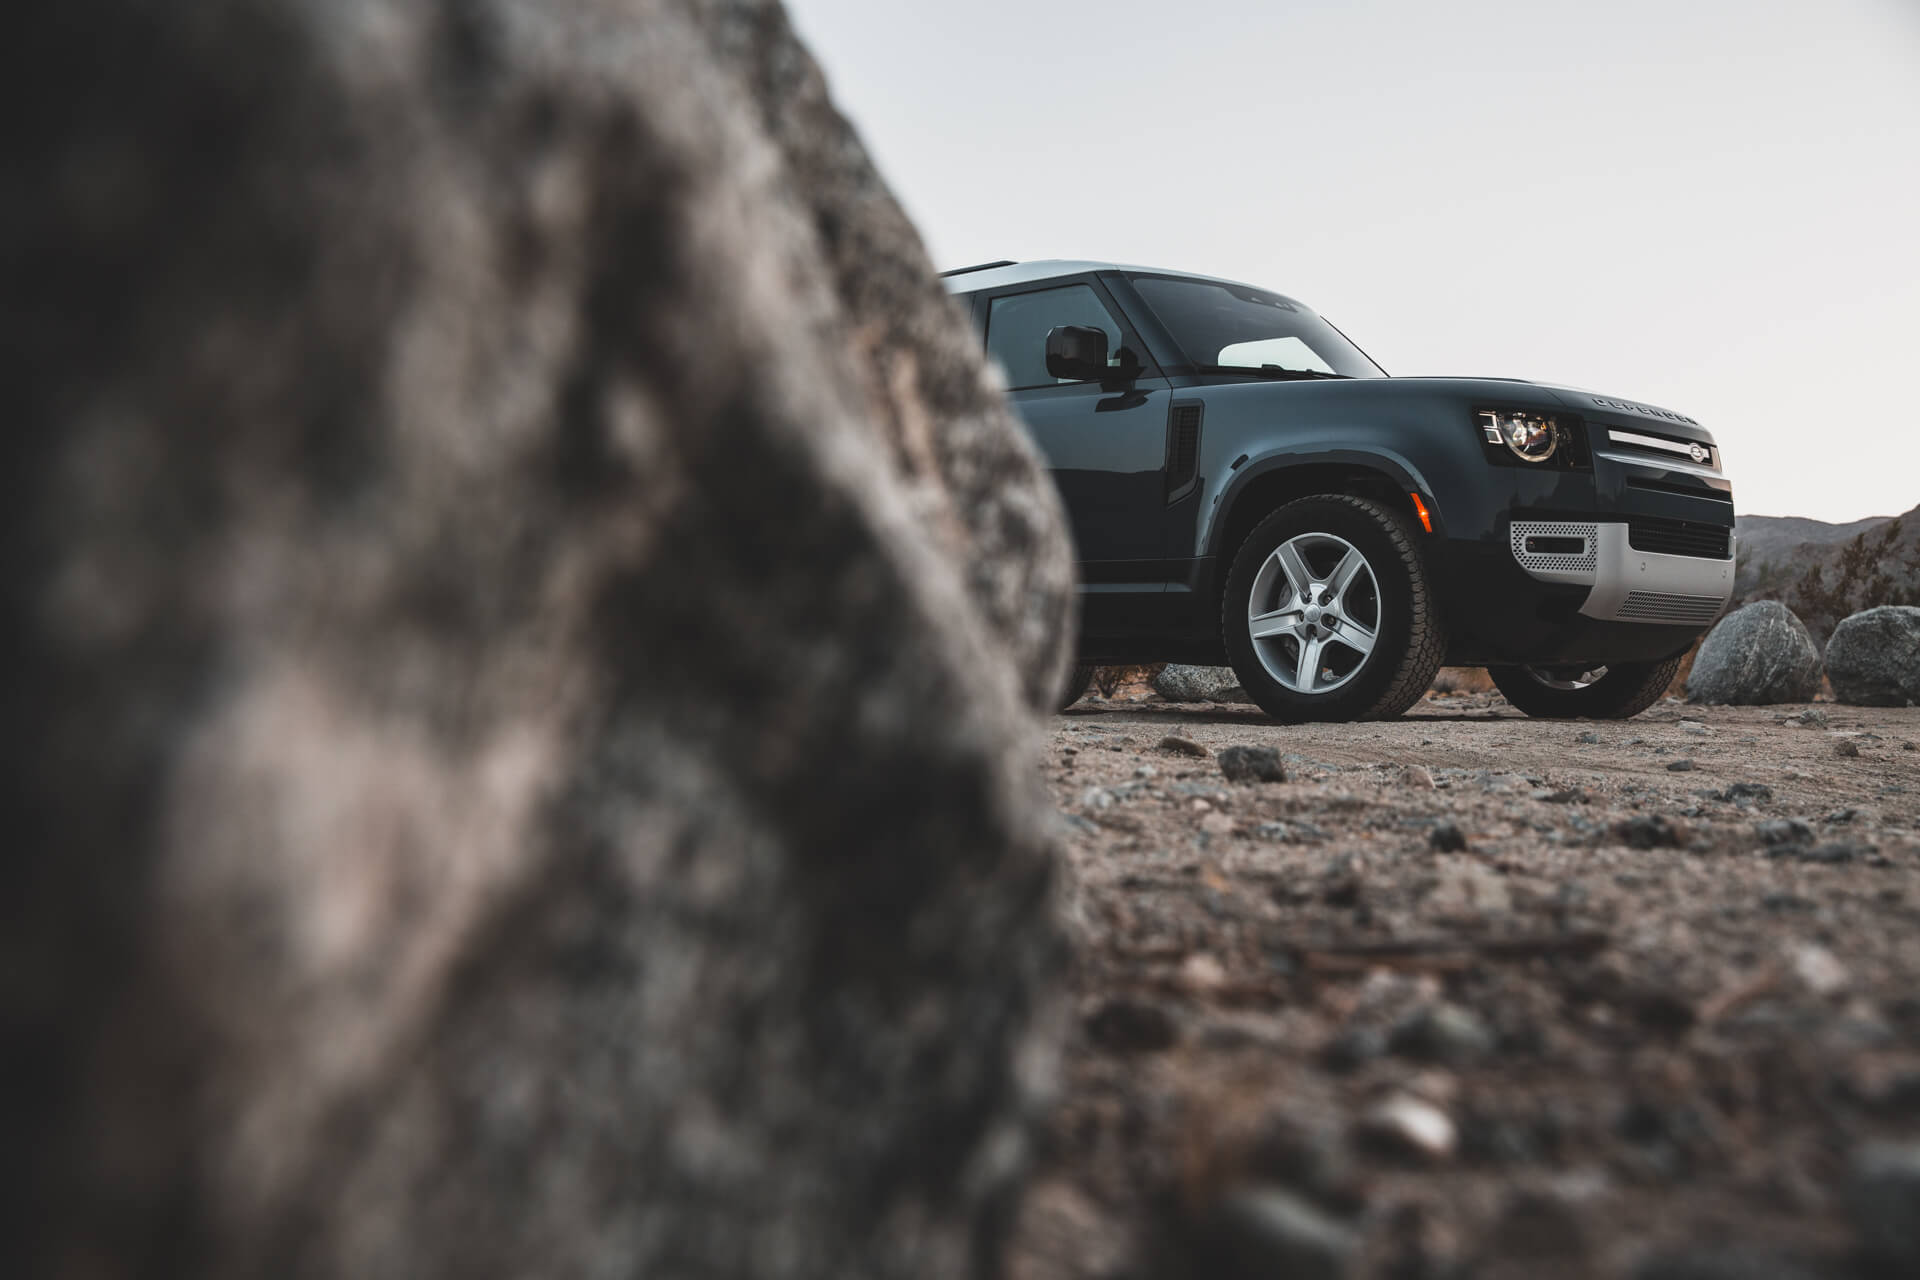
point(1247, 488)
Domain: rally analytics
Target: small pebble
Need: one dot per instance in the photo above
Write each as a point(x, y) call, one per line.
point(1784, 831)
point(1818, 969)
point(1123, 1025)
point(1847, 748)
point(1184, 747)
point(1252, 764)
point(1447, 838)
point(1353, 1048)
point(1200, 973)
point(1408, 1126)
point(1646, 831)
point(1680, 766)
point(1264, 1231)
point(1442, 1033)
point(1834, 851)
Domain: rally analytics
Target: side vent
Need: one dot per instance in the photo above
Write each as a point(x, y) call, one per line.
point(1183, 450)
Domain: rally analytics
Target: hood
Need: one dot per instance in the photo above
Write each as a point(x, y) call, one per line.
point(1588, 404)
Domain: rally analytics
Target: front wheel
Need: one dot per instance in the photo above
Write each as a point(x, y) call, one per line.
point(1328, 613)
point(1616, 691)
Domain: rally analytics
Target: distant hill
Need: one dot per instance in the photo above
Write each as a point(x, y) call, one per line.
point(1825, 571)
point(1764, 538)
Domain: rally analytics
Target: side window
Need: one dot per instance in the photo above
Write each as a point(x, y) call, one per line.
point(1017, 330)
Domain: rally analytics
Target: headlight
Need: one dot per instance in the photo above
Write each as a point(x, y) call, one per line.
point(1532, 437)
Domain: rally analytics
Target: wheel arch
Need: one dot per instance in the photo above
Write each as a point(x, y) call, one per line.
point(1266, 485)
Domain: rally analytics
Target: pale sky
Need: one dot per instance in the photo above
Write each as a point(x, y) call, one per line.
point(1708, 205)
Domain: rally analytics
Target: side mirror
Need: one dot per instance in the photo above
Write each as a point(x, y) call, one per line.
point(1077, 352)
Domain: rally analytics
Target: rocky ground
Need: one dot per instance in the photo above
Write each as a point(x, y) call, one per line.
point(1470, 994)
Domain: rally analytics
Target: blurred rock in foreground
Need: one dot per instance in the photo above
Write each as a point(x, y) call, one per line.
point(526, 629)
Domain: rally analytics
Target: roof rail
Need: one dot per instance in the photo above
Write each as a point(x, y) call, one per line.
point(979, 266)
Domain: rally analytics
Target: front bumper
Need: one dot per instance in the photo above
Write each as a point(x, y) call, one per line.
point(1624, 584)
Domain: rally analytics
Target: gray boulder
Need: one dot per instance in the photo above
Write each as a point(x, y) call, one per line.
point(1177, 683)
point(528, 623)
point(1754, 656)
point(1873, 658)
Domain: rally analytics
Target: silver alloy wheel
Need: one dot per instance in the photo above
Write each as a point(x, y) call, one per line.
point(1314, 612)
point(1565, 679)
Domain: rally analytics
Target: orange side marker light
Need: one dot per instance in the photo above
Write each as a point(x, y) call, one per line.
point(1420, 509)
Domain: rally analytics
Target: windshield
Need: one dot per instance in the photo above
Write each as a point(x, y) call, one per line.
point(1230, 328)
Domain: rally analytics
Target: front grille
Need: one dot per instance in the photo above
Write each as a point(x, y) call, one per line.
point(1684, 490)
point(1678, 538)
point(1658, 606)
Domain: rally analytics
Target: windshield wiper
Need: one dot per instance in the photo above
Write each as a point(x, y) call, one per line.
point(1273, 371)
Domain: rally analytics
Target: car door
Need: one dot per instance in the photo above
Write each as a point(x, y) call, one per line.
point(1106, 441)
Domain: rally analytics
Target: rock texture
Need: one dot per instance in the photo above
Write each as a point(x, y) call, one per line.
point(1873, 658)
point(1755, 656)
point(526, 619)
point(1178, 683)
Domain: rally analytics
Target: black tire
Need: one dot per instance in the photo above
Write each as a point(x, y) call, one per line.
point(1622, 690)
point(1407, 638)
point(1078, 681)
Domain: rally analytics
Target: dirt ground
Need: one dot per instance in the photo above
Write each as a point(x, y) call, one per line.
point(1469, 994)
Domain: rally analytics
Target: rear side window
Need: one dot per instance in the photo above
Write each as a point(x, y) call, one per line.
point(1017, 329)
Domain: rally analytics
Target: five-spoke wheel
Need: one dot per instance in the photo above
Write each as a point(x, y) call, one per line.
point(1328, 614)
point(1314, 613)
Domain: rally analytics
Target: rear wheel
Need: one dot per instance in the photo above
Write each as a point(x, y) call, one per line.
point(1615, 691)
point(1328, 614)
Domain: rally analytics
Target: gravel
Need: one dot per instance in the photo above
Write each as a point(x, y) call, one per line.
point(1666, 1005)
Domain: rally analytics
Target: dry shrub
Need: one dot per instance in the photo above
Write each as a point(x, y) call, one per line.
point(1129, 683)
point(1462, 680)
point(1678, 689)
